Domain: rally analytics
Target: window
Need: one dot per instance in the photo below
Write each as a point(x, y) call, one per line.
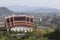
point(11, 19)
point(19, 18)
point(27, 19)
point(31, 20)
point(8, 20)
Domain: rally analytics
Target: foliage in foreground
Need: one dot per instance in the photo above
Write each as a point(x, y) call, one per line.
point(55, 35)
point(36, 34)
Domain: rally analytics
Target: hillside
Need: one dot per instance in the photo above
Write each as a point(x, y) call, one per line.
point(5, 11)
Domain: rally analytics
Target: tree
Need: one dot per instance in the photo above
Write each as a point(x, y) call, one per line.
point(55, 35)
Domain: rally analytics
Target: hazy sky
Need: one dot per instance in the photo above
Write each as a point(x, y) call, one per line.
point(32, 3)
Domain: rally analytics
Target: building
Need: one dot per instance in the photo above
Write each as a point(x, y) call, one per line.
point(19, 23)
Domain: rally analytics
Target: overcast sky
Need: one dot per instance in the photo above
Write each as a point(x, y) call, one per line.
point(32, 3)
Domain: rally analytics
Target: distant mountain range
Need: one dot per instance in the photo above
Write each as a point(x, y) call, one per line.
point(33, 9)
point(5, 11)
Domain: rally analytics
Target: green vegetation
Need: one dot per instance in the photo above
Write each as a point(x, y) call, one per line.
point(36, 34)
point(55, 35)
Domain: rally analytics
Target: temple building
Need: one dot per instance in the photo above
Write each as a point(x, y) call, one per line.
point(19, 23)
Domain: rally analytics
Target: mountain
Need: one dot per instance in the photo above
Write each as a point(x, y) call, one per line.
point(33, 9)
point(5, 11)
point(46, 10)
point(21, 8)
